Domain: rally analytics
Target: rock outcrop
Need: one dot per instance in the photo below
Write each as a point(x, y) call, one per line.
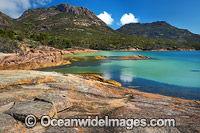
point(98, 77)
point(31, 61)
point(101, 57)
point(60, 101)
point(37, 58)
point(131, 49)
point(80, 50)
point(9, 124)
point(5, 20)
point(113, 82)
point(22, 109)
point(72, 96)
point(136, 57)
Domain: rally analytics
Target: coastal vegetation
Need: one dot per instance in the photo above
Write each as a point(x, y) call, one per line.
point(66, 26)
point(11, 40)
point(47, 37)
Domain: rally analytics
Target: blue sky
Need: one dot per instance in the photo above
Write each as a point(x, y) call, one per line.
point(183, 14)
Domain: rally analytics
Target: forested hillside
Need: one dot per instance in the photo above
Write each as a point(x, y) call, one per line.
point(65, 26)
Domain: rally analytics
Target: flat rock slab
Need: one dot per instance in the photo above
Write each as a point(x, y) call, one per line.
point(14, 77)
point(9, 124)
point(37, 108)
point(60, 101)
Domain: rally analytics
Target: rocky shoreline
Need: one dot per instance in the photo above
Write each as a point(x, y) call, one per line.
point(179, 49)
point(78, 96)
point(42, 56)
point(48, 57)
point(38, 58)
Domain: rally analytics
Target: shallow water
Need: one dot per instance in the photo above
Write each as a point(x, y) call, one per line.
point(171, 73)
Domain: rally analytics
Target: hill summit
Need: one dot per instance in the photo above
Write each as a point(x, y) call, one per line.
point(64, 26)
point(159, 30)
point(66, 19)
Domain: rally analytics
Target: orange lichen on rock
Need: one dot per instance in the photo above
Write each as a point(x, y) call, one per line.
point(38, 58)
point(99, 57)
point(113, 82)
point(32, 60)
point(74, 96)
point(100, 78)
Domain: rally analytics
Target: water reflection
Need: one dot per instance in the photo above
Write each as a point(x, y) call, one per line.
point(126, 78)
point(107, 75)
point(173, 73)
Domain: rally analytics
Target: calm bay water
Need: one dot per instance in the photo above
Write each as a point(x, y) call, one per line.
point(171, 73)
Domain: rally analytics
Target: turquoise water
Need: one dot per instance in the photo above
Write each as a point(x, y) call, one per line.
point(172, 73)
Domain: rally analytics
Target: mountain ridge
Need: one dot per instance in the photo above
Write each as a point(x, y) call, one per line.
point(65, 8)
point(5, 20)
point(157, 30)
point(62, 18)
point(64, 25)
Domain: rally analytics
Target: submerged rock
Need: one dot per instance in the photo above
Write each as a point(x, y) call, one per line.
point(135, 57)
point(99, 57)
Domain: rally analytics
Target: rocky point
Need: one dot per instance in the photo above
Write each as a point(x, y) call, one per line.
point(78, 96)
point(37, 58)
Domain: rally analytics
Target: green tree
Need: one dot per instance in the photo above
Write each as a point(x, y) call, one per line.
point(29, 29)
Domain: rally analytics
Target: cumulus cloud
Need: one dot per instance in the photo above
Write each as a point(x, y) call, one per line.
point(118, 23)
point(107, 18)
point(15, 8)
point(128, 18)
point(40, 2)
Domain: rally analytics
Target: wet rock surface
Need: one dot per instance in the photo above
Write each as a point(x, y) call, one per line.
point(75, 96)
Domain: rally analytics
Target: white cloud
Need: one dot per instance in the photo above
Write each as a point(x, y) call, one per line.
point(107, 18)
point(15, 8)
point(118, 24)
point(41, 2)
point(128, 18)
